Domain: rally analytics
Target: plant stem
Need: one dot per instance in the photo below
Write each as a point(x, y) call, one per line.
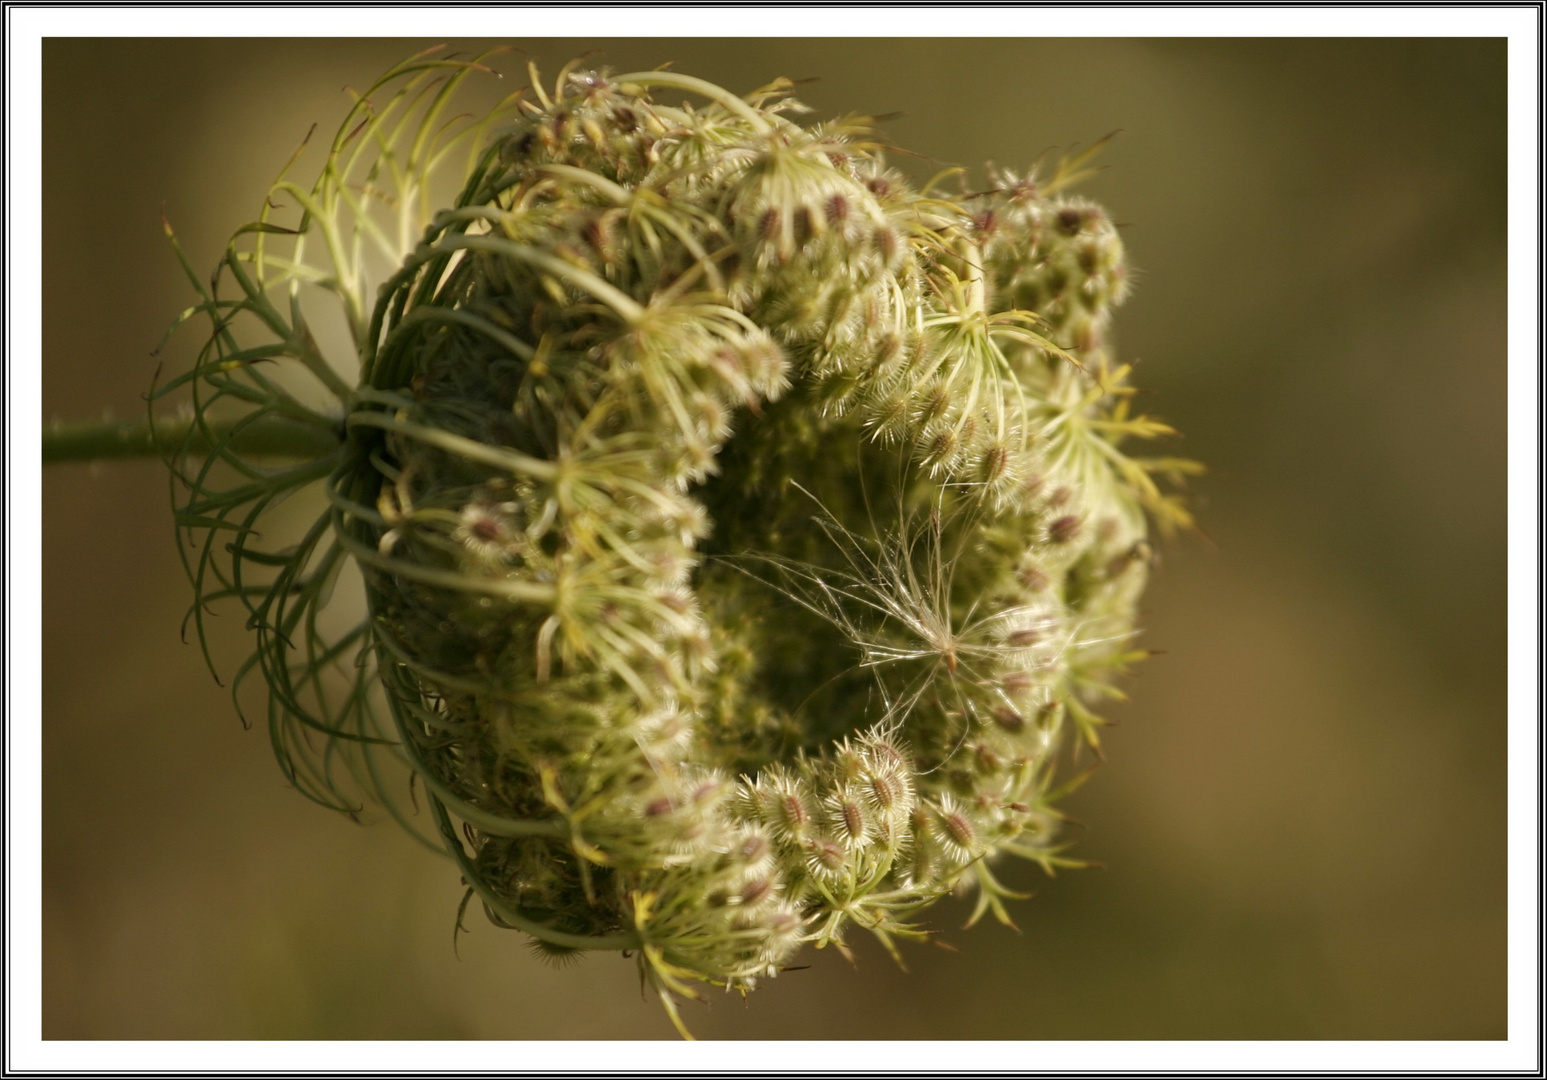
point(98, 441)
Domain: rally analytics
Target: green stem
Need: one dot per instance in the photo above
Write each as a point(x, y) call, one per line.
point(698, 86)
point(515, 918)
point(269, 437)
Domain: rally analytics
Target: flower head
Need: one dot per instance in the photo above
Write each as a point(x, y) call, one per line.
point(603, 398)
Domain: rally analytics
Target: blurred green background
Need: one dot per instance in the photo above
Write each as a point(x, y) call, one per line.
point(1302, 816)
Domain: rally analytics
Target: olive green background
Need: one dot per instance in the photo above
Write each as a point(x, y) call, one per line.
point(1302, 815)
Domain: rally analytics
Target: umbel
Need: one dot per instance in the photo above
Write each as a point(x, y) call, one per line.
point(747, 535)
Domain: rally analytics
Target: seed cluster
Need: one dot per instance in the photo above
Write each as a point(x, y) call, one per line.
point(743, 528)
